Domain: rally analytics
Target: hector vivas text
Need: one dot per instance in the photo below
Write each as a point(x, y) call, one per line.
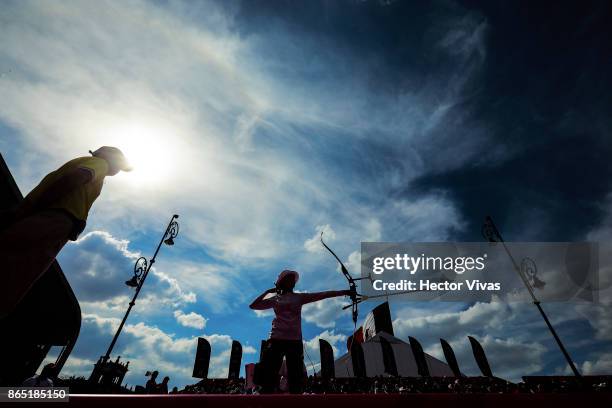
point(414, 264)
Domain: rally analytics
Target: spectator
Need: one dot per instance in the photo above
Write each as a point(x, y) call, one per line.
point(162, 388)
point(44, 379)
point(54, 212)
point(151, 385)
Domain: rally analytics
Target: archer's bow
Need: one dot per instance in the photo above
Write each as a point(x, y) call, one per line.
point(355, 297)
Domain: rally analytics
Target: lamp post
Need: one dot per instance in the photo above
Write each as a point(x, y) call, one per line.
point(141, 270)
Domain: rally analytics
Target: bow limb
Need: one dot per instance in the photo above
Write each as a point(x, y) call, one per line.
point(349, 278)
point(345, 271)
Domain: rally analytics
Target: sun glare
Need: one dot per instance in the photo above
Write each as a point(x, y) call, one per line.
point(148, 149)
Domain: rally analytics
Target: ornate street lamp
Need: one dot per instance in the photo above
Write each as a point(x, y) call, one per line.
point(141, 270)
point(527, 271)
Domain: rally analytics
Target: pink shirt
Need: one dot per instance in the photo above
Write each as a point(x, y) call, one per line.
point(287, 323)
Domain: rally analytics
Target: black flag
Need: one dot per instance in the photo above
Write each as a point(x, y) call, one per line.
point(202, 359)
point(358, 360)
point(235, 359)
point(481, 357)
point(419, 357)
point(451, 360)
point(327, 360)
point(388, 357)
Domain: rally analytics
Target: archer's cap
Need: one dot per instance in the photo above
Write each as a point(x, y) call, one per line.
point(116, 154)
point(285, 273)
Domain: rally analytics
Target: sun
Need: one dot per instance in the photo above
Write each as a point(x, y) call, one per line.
point(149, 150)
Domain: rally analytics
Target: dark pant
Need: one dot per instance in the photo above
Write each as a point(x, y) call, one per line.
point(274, 352)
point(27, 249)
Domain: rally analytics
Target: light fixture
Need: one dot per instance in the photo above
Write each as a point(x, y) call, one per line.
point(133, 283)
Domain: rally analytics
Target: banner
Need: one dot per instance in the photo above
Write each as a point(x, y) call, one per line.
point(358, 360)
point(356, 337)
point(481, 357)
point(451, 360)
point(419, 357)
point(202, 359)
point(249, 372)
point(388, 357)
point(327, 360)
point(235, 360)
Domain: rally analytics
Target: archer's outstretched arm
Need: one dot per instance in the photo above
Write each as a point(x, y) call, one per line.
point(316, 296)
point(260, 303)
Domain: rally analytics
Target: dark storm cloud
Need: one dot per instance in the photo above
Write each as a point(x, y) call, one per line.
point(545, 91)
point(524, 134)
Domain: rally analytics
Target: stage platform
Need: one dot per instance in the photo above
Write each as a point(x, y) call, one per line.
point(339, 400)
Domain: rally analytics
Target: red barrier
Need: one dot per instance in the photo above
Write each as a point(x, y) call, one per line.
point(340, 401)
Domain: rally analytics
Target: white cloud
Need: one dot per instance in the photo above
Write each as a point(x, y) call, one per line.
point(513, 335)
point(324, 313)
point(313, 244)
point(431, 218)
point(146, 347)
point(264, 313)
point(191, 319)
point(602, 365)
point(216, 127)
point(244, 155)
point(97, 266)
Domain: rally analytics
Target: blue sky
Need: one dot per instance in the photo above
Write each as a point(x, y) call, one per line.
point(264, 123)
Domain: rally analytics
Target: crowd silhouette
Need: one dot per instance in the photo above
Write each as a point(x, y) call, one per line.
point(416, 385)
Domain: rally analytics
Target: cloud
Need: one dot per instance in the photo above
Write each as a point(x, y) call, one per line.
point(146, 347)
point(323, 313)
point(190, 319)
point(432, 218)
point(227, 128)
point(97, 266)
point(601, 366)
point(513, 335)
point(254, 133)
point(314, 244)
point(264, 313)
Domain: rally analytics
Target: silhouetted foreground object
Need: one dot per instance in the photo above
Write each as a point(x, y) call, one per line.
point(481, 357)
point(48, 315)
point(449, 355)
point(327, 360)
point(382, 385)
point(419, 356)
point(151, 384)
point(44, 379)
point(54, 212)
point(202, 359)
point(235, 360)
